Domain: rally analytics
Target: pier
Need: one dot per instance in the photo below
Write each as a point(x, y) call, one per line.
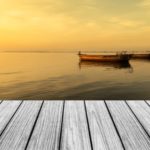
point(74, 125)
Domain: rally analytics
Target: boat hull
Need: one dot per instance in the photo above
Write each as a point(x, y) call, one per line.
point(140, 56)
point(104, 58)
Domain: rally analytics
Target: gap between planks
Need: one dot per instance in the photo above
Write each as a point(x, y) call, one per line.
point(131, 132)
point(47, 132)
point(16, 135)
point(104, 135)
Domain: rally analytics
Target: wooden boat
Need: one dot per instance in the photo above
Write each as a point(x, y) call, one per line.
point(141, 56)
point(105, 58)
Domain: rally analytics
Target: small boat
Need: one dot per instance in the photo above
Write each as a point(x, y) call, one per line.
point(141, 56)
point(120, 57)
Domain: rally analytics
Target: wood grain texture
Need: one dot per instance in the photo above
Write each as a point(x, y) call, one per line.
point(131, 132)
point(142, 111)
point(7, 110)
point(17, 132)
point(46, 134)
point(104, 135)
point(75, 134)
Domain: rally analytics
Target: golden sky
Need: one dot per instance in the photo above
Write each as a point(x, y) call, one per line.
point(74, 24)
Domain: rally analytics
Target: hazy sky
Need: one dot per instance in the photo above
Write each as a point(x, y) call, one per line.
point(74, 24)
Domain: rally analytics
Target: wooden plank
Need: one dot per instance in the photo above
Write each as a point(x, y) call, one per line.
point(148, 102)
point(17, 132)
point(104, 135)
point(142, 111)
point(46, 134)
point(75, 134)
point(131, 132)
point(7, 110)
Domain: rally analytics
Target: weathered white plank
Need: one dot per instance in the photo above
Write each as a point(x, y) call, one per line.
point(148, 102)
point(7, 110)
point(104, 135)
point(131, 132)
point(17, 133)
point(142, 111)
point(46, 134)
point(75, 134)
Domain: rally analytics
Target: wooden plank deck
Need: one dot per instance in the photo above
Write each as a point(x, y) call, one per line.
point(132, 133)
point(103, 132)
point(75, 125)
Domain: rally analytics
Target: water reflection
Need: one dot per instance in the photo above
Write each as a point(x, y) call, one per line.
point(117, 65)
point(114, 65)
point(57, 76)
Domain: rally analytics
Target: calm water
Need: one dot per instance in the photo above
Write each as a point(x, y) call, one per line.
point(61, 76)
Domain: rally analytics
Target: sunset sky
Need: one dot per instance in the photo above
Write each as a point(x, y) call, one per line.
point(74, 24)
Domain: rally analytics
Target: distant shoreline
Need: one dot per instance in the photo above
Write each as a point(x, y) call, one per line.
point(76, 51)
